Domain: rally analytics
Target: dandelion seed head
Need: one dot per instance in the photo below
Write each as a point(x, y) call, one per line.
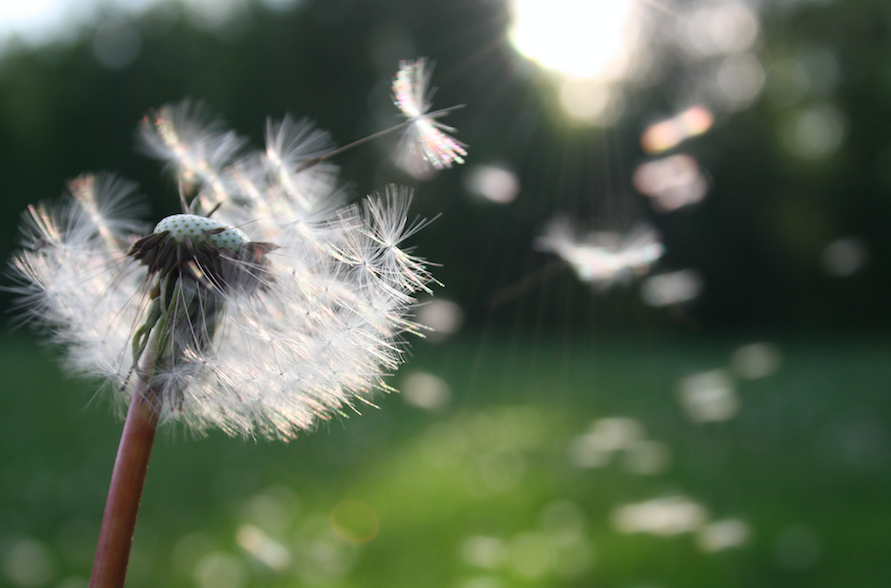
point(264, 308)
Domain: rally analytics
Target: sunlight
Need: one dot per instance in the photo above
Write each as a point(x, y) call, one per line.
point(579, 38)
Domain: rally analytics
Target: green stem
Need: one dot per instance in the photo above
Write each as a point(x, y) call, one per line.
point(125, 490)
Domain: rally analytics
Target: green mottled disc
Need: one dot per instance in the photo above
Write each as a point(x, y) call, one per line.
point(196, 228)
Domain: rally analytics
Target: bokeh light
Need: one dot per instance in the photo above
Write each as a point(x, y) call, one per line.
point(671, 182)
point(720, 42)
point(263, 547)
point(116, 45)
point(845, 257)
point(718, 28)
point(354, 521)
point(614, 433)
point(530, 555)
point(225, 17)
point(273, 509)
point(816, 132)
point(557, 546)
point(29, 563)
point(812, 71)
point(424, 390)
point(668, 134)
point(220, 570)
point(442, 316)
point(322, 554)
point(672, 288)
point(723, 534)
point(756, 360)
point(647, 458)
point(709, 396)
point(494, 183)
point(667, 516)
point(739, 81)
point(483, 552)
point(607, 436)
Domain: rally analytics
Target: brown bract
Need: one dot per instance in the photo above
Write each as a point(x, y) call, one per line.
point(209, 265)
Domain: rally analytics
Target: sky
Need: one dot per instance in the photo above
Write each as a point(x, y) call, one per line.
point(40, 21)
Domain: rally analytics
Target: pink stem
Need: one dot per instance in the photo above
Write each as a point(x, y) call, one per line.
point(125, 491)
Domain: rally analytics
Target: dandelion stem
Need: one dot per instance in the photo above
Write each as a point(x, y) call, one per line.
point(125, 491)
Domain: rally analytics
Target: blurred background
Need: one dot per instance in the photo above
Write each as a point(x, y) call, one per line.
point(661, 355)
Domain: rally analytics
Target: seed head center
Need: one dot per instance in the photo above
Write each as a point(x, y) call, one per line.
point(200, 229)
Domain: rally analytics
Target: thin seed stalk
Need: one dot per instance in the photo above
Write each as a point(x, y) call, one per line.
point(125, 491)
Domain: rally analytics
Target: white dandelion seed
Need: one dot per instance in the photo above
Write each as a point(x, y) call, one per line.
point(193, 142)
point(603, 258)
point(259, 310)
point(425, 135)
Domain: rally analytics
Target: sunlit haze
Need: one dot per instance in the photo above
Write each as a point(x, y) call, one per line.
point(582, 39)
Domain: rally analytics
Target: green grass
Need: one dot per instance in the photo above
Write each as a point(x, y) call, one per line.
point(482, 494)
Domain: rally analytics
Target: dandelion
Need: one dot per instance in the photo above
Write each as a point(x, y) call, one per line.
point(259, 308)
point(425, 136)
point(262, 308)
point(603, 258)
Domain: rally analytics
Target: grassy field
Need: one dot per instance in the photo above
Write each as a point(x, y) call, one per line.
point(503, 462)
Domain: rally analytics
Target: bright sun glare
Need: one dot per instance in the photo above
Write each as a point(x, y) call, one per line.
point(579, 38)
